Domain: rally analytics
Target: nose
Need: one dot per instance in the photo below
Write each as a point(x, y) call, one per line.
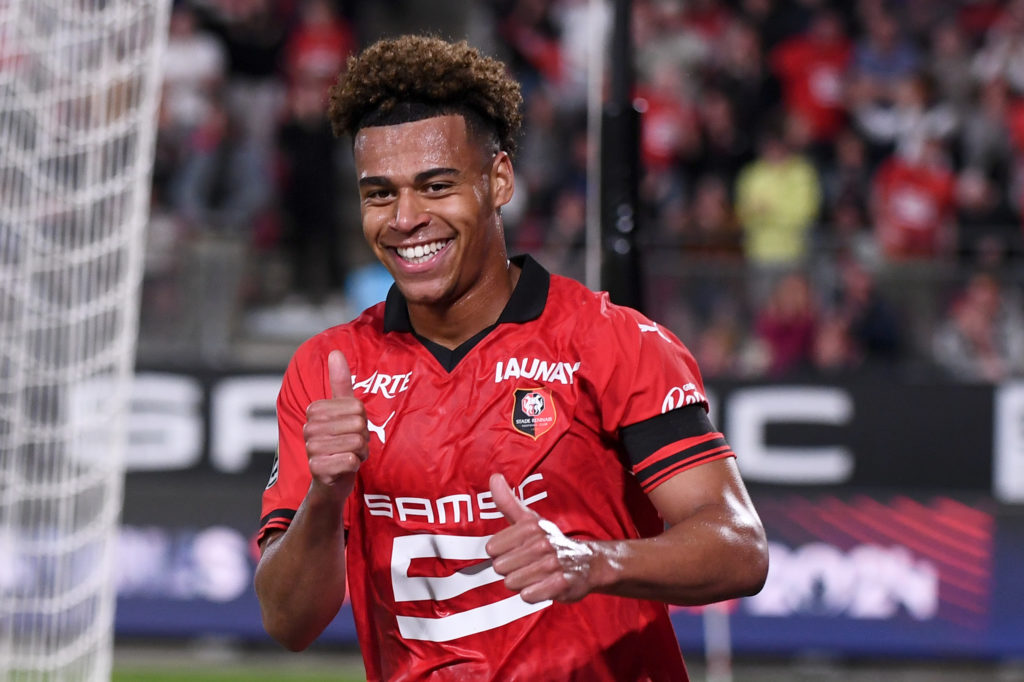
point(409, 214)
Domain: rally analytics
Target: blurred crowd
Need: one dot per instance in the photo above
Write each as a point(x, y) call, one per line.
point(827, 187)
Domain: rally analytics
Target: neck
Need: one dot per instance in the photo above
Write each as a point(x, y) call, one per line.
point(452, 324)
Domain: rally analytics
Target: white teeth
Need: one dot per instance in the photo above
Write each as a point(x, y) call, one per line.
point(420, 252)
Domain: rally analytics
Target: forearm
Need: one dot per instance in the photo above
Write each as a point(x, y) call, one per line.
point(300, 579)
point(714, 548)
point(714, 555)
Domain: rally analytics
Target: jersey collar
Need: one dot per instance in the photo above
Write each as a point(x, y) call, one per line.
point(526, 303)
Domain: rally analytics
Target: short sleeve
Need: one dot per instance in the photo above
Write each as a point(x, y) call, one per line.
point(653, 401)
point(647, 369)
point(303, 382)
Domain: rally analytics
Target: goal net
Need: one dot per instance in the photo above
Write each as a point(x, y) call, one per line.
point(79, 88)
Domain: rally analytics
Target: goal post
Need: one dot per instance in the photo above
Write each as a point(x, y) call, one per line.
point(79, 91)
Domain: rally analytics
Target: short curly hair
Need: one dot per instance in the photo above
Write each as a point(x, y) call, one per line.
point(413, 77)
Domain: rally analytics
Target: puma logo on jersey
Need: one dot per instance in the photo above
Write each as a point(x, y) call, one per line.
point(379, 430)
point(537, 370)
point(652, 328)
point(386, 385)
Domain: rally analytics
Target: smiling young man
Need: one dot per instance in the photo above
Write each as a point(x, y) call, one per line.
point(514, 475)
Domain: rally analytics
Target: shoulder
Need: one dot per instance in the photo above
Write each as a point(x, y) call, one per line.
point(596, 320)
point(352, 338)
point(570, 302)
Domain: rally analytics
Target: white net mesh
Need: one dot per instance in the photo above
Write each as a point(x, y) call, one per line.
point(79, 87)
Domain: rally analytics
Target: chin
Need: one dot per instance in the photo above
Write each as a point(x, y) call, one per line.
point(420, 293)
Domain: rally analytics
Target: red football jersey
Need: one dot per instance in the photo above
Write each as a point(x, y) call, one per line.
point(812, 77)
point(914, 203)
point(581, 404)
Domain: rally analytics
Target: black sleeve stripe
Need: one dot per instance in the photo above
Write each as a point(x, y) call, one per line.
point(661, 475)
point(696, 451)
point(643, 439)
point(283, 516)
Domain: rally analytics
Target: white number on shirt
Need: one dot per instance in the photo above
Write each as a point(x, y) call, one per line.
point(437, 588)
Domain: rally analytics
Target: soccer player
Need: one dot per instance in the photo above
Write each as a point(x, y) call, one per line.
point(514, 475)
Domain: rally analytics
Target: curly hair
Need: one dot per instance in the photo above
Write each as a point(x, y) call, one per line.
point(414, 77)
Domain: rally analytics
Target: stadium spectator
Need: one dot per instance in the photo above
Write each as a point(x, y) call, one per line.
point(316, 49)
point(661, 39)
point(948, 65)
point(222, 183)
point(786, 325)
point(833, 354)
point(1002, 55)
point(709, 20)
point(582, 26)
point(903, 121)
point(982, 335)
point(709, 236)
point(308, 161)
point(847, 179)
point(913, 203)
point(874, 337)
point(720, 346)
point(812, 69)
point(777, 200)
point(544, 155)
point(711, 230)
point(194, 71)
point(254, 33)
point(987, 130)
point(883, 56)
point(742, 74)
point(566, 234)
point(726, 144)
point(989, 234)
point(530, 31)
point(669, 131)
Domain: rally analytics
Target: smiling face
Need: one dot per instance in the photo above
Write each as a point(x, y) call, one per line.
point(429, 196)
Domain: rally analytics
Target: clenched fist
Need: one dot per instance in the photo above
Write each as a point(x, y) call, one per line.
point(336, 435)
point(537, 560)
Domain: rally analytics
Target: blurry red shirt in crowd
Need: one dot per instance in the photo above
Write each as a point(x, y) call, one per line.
point(319, 45)
point(914, 204)
point(669, 127)
point(811, 68)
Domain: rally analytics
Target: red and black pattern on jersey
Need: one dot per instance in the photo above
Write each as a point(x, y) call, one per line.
point(278, 519)
point(676, 441)
point(564, 395)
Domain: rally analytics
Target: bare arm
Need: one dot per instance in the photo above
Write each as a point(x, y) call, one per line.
point(300, 578)
point(714, 547)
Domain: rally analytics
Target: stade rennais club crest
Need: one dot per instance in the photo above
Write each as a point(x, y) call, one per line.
point(533, 412)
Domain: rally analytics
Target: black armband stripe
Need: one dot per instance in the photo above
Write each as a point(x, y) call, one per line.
point(663, 474)
point(645, 438)
point(283, 517)
point(670, 460)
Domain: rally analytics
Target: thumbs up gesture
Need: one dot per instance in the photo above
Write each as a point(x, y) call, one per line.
point(536, 558)
point(335, 432)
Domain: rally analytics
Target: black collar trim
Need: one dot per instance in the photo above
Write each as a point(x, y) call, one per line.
point(526, 303)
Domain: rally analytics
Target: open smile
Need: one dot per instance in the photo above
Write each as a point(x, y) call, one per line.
point(421, 253)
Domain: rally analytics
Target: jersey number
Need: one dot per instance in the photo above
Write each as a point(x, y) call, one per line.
point(417, 588)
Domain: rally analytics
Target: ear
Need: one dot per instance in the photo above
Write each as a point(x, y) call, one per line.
point(503, 179)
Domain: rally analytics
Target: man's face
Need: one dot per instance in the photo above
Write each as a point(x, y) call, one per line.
point(429, 197)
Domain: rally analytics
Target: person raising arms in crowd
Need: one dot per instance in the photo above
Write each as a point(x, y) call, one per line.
point(511, 475)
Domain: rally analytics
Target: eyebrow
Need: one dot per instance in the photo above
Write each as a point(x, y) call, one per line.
point(419, 179)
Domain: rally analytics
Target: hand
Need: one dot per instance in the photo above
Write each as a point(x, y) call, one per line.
point(537, 560)
point(336, 434)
